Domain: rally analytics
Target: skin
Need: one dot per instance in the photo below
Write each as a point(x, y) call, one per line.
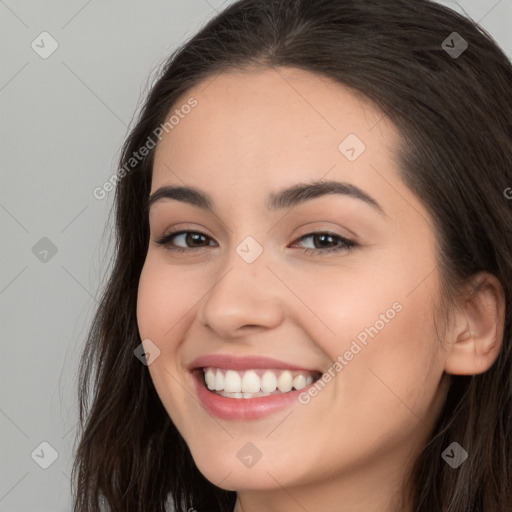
point(351, 446)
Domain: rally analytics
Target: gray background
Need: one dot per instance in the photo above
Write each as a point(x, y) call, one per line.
point(62, 122)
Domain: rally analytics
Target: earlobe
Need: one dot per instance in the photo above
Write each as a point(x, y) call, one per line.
point(478, 334)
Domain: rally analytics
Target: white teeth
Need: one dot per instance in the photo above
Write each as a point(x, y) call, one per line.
point(285, 382)
point(219, 381)
point(210, 379)
point(254, 383)
point(299, 382)
point(252, 395)
point(241, 395)
point(268, 382)
point(250, 382)
point(232, 382)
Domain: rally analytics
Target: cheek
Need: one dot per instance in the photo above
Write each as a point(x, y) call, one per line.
point(384, 339)
point(390, 385)
point(165, 297)
point(346, 305)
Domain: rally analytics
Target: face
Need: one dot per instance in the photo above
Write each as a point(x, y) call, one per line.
point(266, 289)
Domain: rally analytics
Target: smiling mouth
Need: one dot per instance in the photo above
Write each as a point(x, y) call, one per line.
point(255, 383)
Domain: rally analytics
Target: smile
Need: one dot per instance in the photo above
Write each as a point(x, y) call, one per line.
point(248, 387)
point(254, 383)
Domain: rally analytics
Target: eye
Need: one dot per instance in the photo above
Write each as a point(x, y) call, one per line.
point(193, 240)
point(328, 242)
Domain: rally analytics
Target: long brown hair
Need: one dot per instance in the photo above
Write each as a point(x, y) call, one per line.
point(454, 113)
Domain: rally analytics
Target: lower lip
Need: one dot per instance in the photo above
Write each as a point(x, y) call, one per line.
point(243, 408)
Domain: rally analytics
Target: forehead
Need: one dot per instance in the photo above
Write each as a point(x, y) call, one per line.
point(270, 127)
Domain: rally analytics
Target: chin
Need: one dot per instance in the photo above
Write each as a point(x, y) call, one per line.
point(229, 477)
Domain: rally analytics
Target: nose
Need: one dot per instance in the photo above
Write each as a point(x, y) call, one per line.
point(244, 297)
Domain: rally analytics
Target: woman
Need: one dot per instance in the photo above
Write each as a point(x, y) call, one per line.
point(310, 303)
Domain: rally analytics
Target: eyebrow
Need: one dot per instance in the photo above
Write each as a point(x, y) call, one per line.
point(285, 198)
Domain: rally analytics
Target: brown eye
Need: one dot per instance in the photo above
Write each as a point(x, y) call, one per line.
point(191, 239)
point(324, 242)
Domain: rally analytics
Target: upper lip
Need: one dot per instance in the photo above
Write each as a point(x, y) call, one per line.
point(231, 362)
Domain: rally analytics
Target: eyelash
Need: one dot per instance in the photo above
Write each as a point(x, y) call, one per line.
point(346, 244)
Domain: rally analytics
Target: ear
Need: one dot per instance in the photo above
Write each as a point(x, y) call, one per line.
point(477, 337)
